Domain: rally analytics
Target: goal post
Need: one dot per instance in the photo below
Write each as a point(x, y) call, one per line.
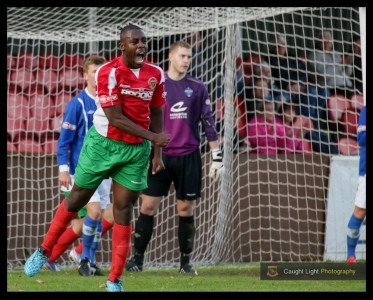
point(267, 207)
point(363, 36)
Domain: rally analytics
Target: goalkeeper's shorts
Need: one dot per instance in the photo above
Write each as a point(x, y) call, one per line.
point(184, 171)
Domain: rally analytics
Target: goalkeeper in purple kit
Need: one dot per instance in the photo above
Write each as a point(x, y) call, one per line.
point(187, 105)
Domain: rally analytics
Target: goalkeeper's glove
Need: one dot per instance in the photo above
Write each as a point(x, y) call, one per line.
point(216, 169)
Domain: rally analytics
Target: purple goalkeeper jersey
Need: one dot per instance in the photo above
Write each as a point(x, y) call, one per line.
point(187, 104)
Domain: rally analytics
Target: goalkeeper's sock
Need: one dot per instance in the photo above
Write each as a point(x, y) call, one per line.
point(95, 243)
point(143, 232)
point(186, 234)
point(353, 229)
point(65, 240)
point(61, 220)
point(89, 229)
point(121, 239)
point(184, 259)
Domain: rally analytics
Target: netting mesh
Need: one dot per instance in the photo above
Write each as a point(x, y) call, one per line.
point(270, 206)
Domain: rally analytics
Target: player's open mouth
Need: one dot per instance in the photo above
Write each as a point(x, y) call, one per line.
point(140, 57)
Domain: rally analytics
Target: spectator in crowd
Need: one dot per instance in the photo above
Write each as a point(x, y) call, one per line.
point(263, 70)
point(329, 63)
point(312, 139)
point(313, 98)
point(296, 126)
point(267, 133)
point(258, 92)
point(283, 64)
point(352, 61)
point(358, 216)
point(293, 73)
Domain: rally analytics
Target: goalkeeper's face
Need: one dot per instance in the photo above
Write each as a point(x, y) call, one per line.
point(180, 59)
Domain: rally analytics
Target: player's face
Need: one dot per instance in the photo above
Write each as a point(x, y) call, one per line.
point(90, 75)
point(180, 59)
point(133, 46)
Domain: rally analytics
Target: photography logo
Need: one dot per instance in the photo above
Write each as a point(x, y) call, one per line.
point(272, 271)
point(312, 271)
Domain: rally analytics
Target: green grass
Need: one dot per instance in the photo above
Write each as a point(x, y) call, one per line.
point(220, 278)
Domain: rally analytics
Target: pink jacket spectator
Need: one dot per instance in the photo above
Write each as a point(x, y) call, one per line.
point(270, 137)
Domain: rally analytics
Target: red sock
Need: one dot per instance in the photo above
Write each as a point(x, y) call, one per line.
point(61, 220)
point(105, 227)
point(121, 239)
point(64, 242)
point(79, 248)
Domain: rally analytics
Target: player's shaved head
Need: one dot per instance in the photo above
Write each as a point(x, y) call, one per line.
point(128, 28)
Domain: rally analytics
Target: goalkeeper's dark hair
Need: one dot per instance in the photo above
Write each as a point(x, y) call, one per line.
point(127, 28)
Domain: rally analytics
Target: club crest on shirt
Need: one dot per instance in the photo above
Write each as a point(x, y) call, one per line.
point(188, 92)
point(152, 82)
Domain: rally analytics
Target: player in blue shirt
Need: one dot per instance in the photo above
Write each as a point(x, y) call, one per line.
point(357, 218)
point(187, 105)
point(78, 118)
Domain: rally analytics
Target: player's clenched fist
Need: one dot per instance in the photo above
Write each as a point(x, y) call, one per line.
point(161, 139)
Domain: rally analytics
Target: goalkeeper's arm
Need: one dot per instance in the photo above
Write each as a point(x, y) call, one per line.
point(216, 168)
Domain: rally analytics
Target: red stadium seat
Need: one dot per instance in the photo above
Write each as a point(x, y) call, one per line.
point(61, 100)
point(73, 61)
point(28, 144)
point(17, 106)
point(350, 121)
point(72, 79)
point(42, 107)
point(337, 105)
point(49, 61)
point(37, 126)
point(15, 126)
point(28, 61)
point(48, 79)
point(11, 62)
point(22, 78)
point(56, 123)
point(49, 143)
point(357, 102)
point(348, 146)
point(11, 147)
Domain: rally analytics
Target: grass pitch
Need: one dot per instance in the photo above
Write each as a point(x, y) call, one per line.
point(220, 278)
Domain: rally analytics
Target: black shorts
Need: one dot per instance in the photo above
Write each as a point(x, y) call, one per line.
point(184, 171)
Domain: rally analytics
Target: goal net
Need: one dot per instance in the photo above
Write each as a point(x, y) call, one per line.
point(271, 202)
